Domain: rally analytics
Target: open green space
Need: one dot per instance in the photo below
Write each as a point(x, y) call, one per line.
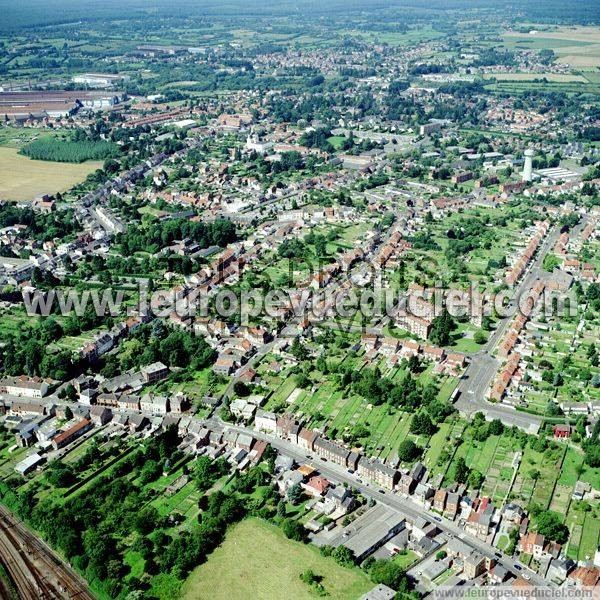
point(257, 561)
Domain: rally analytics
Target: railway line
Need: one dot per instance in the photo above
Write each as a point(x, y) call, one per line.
point(7, 590)
point(21, 576)
point(35, 571)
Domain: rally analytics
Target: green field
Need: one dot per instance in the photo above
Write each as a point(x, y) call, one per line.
point(554, 77)
point(257, 561)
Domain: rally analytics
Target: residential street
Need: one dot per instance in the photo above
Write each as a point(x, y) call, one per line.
point(407, 507)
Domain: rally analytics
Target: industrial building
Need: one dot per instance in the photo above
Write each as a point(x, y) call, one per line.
point(18, 106)
point(98, 80)
point(29, 464)
point(558, 175)
point(371, 530)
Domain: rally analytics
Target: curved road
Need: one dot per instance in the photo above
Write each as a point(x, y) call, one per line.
point(484, 365)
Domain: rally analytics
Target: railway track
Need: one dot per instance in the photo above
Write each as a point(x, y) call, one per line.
point(7, 589)
point(36, 572)
point(17, 569)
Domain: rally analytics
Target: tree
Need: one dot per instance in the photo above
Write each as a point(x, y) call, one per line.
point(241, 389)
point(389, 573)
point(68, 393)
point(548, 524)
point(461, 471)
point(414, 363)
point(310, 577)
point(59, 474)
point(302, 380)
point(151, 470)
point(441, 328)
point(294, 493)
point(408, 451)
point(513, 536)
point(146, 520)
point(343, 556)
point(422, 424)
point(480, 337)
point(207, 472)
point(294, 530)
point(441, 555)
point(496, 427)
point(475, 479)
point(322, 365)
point(298, 350)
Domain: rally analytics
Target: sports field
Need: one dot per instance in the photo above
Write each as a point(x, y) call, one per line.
point(257, 561)
point(23, 179)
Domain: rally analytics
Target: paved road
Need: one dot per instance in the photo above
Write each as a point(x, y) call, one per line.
point(405, 505)
point(484, 366)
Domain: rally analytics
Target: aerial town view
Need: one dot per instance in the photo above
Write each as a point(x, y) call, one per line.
point(299, 299)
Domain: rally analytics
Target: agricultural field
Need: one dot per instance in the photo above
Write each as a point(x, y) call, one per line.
point(243, 572)
point(518, 87)
point(576, 46)
point(411, 36)
point(23, 179)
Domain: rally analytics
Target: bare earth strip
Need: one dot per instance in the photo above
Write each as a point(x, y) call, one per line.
point(23, 179)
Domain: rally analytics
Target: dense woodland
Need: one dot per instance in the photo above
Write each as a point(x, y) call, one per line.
point(153, 237)
point(40, 226)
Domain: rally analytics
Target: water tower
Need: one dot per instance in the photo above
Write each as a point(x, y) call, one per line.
point(528, 166)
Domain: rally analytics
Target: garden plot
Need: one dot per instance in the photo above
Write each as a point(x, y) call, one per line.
point(500, 473)
point(561, 499)
point(589, 537)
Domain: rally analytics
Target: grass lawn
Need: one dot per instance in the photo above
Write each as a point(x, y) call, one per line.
point(23, 179)
point(336, 141)
point(406, 560)
point(503, 542)
point(572, 461)
point(589, 537)
point(257, 561)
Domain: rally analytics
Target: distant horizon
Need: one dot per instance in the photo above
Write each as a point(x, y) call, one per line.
point(40, 13)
